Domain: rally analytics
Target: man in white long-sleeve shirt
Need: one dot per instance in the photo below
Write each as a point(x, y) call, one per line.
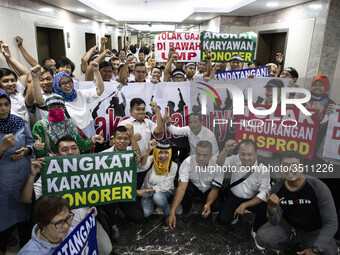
point(195, 132)
point(195, 179)
point(143, 129)
point(251, 192)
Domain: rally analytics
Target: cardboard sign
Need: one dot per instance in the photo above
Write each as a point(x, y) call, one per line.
point(187, 45)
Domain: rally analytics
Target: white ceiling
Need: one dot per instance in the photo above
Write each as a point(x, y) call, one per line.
point(167, 12)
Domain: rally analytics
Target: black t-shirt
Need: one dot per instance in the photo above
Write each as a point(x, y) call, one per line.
point(300, 207)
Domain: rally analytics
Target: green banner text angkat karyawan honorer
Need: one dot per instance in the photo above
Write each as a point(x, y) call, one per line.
point(91, 179)
point(223, 46)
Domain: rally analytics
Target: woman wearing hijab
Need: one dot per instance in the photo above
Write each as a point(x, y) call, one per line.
point(159, 180)
point(51, 128)
point(76, 102)
point(16, 147)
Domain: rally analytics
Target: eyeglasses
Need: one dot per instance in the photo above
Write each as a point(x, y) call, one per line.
point(61, 223)
point(69, 82)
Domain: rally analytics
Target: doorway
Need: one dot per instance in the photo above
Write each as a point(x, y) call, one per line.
point(50, 43)
point(268, 45)
point(90, 41)
point(108, 44)
point(119, 43)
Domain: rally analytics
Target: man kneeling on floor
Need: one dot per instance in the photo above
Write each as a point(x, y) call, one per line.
point(300, 211)
point(248, 185)
point(198, 178)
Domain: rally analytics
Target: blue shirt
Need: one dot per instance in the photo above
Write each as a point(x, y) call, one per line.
point(13, 176)
point(37, 246)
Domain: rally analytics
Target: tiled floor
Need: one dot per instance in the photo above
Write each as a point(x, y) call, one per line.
point(193, 235)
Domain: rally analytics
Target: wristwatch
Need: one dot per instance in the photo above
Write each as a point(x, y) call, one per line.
point(316, 250)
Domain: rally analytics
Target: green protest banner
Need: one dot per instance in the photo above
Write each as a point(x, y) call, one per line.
point(91, 179)
point(223, 46)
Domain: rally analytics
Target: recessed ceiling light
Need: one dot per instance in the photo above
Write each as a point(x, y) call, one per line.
point(198, 18)
point(46, 9)
point(80, 10)
point(272, 4)
point(84, 20)
point(315, 6)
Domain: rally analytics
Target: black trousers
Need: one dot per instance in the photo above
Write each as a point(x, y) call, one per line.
point(230, 204)
point(193, 192)
point(24, 231)
point(140, 179)
point(133, 211)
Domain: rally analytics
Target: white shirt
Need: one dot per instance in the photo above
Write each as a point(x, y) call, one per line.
point(201, 177)
point(145, 129)
point(160, 183)
point(40, 113)
point(205, 134)
point(79, 110)
point(112, 149)
point(257, 184)
point(18, 106)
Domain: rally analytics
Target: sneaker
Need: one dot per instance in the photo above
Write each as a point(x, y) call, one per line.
point(253, 234)
point(234, 221)
point(165, 223)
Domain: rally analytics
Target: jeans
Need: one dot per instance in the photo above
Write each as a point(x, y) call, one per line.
point(159, 199)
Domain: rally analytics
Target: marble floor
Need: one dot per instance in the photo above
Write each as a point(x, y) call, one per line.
point(192, 235)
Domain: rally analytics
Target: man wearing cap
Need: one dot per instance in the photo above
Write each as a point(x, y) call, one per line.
point(290, 73)
point(190, 70)
point(236, 62)
point(273, 83)
point(198, 177)
point(178, 75)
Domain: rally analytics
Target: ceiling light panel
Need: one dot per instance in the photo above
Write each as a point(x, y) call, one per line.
point(155, 10)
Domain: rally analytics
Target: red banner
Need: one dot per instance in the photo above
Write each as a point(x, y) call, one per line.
point(277, 133)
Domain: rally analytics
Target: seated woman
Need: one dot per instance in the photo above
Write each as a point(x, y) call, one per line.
point(50, 129)
point(159, 180)
point(54, 218)
point(16, 147)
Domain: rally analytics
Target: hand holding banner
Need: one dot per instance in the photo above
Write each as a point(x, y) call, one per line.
point(332, 150)
point(91, 179)
point(223, 46)
point(82, 240)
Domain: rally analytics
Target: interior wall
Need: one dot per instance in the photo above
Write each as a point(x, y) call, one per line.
point(335, 89)
point(25, 15)
point(299, 40)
